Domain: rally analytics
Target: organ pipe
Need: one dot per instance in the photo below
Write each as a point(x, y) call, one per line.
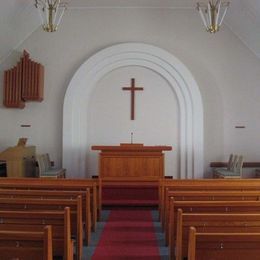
point(24, 82)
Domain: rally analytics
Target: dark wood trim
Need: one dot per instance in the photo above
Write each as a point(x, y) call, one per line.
point(131, 147)
point(245, 164)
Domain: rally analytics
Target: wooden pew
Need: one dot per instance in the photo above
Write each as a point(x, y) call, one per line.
point(26, 244)
point(36, 220)
point(207, 207)
point(57, 194)
point(61, 184)
point(214, 223)
point(205, 196)
point(52, 204)
point(219, 246)
point(203, 185)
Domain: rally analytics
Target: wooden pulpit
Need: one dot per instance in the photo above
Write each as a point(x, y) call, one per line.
point(131, 160)
point(20, 160)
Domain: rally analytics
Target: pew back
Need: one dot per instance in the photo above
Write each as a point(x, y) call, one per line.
point(60, 184)
point(207, 207)
point(25, 245)
point(212, 223)
point(204, 185)
point(51, 204)
point(211, 195)
point(204, 196)
point(56, 194)
point(219, 246)
point(36, 221)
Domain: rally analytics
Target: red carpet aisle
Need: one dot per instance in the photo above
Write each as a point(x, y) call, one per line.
point(139, 195)
point(128, 234)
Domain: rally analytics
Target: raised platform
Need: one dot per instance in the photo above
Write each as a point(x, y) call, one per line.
point(130, 195)
point(130, 192)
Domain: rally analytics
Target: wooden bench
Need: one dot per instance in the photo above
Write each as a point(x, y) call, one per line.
point(219, 246)
point(26, 244)
point(36, 220)
point(52, 204)
point(212, 222)
point(207, 207)
point(203, 185)
point(57, 194)
point(61, 184)
point(212, 195)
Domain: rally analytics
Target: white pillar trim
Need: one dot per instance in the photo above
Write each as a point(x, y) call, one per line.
point(133, 54)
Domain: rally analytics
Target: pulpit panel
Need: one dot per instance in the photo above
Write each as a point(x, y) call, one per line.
point(131, 166)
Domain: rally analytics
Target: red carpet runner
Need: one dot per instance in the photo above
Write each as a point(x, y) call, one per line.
point(139, 195)
point(128, 234)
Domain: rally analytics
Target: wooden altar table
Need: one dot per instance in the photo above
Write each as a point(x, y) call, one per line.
point(131, 160)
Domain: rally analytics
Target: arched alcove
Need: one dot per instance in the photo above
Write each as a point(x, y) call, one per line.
point(133, 54)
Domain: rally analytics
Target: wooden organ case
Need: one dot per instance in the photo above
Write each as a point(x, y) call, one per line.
point(23, 83)
point(20, 160)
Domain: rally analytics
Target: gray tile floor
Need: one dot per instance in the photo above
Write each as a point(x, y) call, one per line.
point(164, 252)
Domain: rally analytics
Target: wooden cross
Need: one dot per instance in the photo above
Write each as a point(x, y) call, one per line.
point(132, 89)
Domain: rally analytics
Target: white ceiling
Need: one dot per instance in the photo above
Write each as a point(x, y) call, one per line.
point(19, 18)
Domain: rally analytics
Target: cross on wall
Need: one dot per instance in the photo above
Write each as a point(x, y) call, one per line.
point(132, 89)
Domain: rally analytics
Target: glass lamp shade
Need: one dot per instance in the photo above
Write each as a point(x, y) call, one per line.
point(212, 14)
point(50, 12)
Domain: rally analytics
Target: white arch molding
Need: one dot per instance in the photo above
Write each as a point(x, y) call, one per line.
point(133, 54)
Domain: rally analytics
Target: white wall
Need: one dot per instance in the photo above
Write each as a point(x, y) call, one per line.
point(225, 70)
point(156, 115)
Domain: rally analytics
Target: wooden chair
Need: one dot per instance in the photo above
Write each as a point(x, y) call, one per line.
point(219, 246)
point(235, 170)
point(45, 168)
point(26, 244)
point(230, 163)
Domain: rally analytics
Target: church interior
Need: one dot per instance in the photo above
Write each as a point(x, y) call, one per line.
point(129, 129)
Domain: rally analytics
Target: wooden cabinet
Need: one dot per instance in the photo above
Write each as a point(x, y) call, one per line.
point(131, 160)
